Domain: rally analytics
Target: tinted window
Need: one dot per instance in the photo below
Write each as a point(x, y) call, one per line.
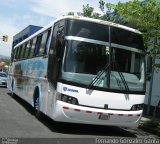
point(17, 51)
point(24, 50)
point(43, 43)
point(22, 47)
point(37, 46)
point(27, 49)
point(83, 57)
point(127, 38)
point(88, 30)
point(47, 42)
point(52, 61)
point(33, 45)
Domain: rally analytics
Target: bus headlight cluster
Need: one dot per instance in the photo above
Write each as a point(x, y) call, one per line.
point(137, 107)
point(67, 99)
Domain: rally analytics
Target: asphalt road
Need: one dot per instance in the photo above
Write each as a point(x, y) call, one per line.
point(18, 121)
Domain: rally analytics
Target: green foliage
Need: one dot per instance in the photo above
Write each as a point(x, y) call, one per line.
point(88, 12)
point(146, 16)
point(110, 13)
point(152, 126)
point(70, 13)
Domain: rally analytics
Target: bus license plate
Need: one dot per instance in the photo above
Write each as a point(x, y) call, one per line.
point(104, 116)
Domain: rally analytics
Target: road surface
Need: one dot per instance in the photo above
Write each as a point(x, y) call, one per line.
point(18, 121)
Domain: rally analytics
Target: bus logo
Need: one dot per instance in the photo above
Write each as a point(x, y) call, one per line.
point(70, 90)
point(65, 88)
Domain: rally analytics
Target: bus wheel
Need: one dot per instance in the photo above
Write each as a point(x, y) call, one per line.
point(12, 92)
point(37, 107)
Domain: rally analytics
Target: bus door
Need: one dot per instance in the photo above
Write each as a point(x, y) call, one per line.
point(54, 60)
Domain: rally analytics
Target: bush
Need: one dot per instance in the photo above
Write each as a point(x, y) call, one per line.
point(152, 126)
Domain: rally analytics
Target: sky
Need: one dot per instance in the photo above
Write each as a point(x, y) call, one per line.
point(15, 15)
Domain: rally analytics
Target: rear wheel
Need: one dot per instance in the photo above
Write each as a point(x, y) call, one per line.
point(12, 86)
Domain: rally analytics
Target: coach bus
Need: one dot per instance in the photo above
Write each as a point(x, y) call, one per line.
point(82, 70)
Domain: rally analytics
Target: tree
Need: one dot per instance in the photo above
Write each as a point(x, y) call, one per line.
point(145, 14)
point(89, 12)
point(70, 13)
point(110, 13)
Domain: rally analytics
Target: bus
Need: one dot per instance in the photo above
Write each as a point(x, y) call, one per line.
point(82, 70)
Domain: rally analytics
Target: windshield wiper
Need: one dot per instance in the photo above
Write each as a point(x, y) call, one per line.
point(98, 76)
point(122, 77)
point(103, 70)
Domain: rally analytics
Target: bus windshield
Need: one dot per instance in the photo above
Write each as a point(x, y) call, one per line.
point(83, 60)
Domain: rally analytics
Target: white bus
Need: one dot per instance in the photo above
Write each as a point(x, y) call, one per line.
point(82, 70)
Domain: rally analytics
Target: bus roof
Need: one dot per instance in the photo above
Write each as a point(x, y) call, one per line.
point(79, 18)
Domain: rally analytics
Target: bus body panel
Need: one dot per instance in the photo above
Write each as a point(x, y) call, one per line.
point(87, 114)
point(95, 98)
point(28, 75)
point(77, 114)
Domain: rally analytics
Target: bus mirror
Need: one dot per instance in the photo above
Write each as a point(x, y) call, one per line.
point(14, 60)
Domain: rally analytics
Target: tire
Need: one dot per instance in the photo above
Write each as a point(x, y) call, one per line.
point(37, 111)
point(12, 86)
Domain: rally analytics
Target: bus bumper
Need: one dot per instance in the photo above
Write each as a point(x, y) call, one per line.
point(65, 112)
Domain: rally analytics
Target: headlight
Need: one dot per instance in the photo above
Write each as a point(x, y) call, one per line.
point(67, 99)
point(137, 107)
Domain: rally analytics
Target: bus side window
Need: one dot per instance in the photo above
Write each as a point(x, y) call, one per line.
point(37, 45)
point(33, 45)
point(47, 42)
point(24, 50)
point(43, 41)
point(19, 53)
point(16, 55)
point(27, 49)
point(22, 47)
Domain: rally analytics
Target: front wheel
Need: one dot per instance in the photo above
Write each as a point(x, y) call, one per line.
point(37, 108)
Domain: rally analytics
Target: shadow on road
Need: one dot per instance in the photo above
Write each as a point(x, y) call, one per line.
point(3, 87)
point(76, 129)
